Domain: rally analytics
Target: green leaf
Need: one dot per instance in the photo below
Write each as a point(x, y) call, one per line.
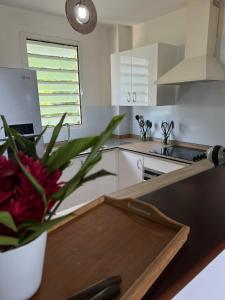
point(11, 142)
point(62, 156)
point(35, 230)
point(27, 146)
point(93, 158)
point(8, 241)
point(7, 220)
point(32, 180)
point(96, 175)
point(76, 181)
point(25, 225)
point(105, 135)
point(3, 148)
point(53, 139)
point(29, 176)
point(38, 138)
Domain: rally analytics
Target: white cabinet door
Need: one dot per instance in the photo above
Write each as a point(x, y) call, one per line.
point(143, 70)
point(96, 188)
point(134, 74)
point(126, 78)
point(121, 78)
point(130, 169)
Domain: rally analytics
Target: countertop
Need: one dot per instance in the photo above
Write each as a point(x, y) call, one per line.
point(146, 148)
point(149, 147)
point(144, 188)
point(194, 196)
point(198, 202)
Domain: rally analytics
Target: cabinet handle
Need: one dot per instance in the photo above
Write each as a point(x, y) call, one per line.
point(139, 164)
point(128, 96)
point(134, 97)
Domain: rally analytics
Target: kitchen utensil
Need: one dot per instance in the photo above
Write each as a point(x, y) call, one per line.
point(145, 127)
point(167, 129)
point(109, 287)
point(108, 293)
point(149, 124)
point(137, 117)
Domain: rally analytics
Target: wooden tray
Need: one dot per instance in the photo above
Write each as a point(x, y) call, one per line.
point(110, 237)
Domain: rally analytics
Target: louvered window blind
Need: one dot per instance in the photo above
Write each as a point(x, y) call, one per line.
point(57, 69)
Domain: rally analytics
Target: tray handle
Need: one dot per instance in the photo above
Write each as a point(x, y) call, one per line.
point(144, 210)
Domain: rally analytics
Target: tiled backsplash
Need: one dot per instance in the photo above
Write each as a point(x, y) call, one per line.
point(199, 115)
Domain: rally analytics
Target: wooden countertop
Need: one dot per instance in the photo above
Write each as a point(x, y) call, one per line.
point(193, 196)
point(141, 189)
point(146, 148)
point(198, 202)
point(149, 147)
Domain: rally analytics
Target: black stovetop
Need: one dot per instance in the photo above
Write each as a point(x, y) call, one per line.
point(178, 152)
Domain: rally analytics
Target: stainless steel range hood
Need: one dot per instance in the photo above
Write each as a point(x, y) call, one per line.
point(200, 63)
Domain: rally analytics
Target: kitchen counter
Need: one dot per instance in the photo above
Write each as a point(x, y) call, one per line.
point(164, 180)
point(147, 148)
point(194, 196)
point(198, 202)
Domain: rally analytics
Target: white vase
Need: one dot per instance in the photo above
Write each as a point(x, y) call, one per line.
point(21, 270)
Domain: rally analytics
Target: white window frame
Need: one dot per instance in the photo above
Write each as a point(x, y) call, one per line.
point(24, 36)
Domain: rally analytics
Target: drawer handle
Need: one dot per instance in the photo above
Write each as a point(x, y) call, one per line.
point(139, 164)
point(128, 97)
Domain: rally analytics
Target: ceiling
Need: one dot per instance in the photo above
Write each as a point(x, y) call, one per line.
point(109, 11)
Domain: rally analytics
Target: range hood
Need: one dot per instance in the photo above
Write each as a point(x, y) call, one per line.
point(200, 63)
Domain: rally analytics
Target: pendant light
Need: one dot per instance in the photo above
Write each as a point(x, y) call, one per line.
point(81, 15)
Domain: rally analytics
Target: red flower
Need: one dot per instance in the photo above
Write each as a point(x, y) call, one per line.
point(18, 196)
point(7, 179)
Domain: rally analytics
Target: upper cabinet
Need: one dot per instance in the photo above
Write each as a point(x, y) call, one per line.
point(134, 72)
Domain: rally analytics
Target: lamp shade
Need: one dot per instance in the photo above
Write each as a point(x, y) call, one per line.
point(82, 15)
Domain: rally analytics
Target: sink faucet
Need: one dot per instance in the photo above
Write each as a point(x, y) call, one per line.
point(68, 131)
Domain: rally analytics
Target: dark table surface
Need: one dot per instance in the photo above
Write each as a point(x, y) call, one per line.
point(198, 202)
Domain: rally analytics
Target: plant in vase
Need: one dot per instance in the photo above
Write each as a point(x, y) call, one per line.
point(30, 194)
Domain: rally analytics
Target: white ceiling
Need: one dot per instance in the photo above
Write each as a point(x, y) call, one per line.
point(109, 11)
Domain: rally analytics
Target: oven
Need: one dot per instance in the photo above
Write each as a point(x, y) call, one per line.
point(150, 174)
point(27, 131)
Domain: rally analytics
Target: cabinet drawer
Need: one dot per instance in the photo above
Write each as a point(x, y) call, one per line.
point(161, 165)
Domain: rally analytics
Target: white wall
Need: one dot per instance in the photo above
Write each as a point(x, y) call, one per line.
point(122, 40)
point(199, 115)
point(94, 51)
point(94, 48)
point(170, 28)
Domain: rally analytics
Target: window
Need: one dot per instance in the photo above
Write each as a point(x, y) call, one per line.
point(57, 69)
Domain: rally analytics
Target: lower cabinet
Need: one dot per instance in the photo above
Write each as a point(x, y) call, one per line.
point(96, 188)
point(128, 165)
point(130, 169)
